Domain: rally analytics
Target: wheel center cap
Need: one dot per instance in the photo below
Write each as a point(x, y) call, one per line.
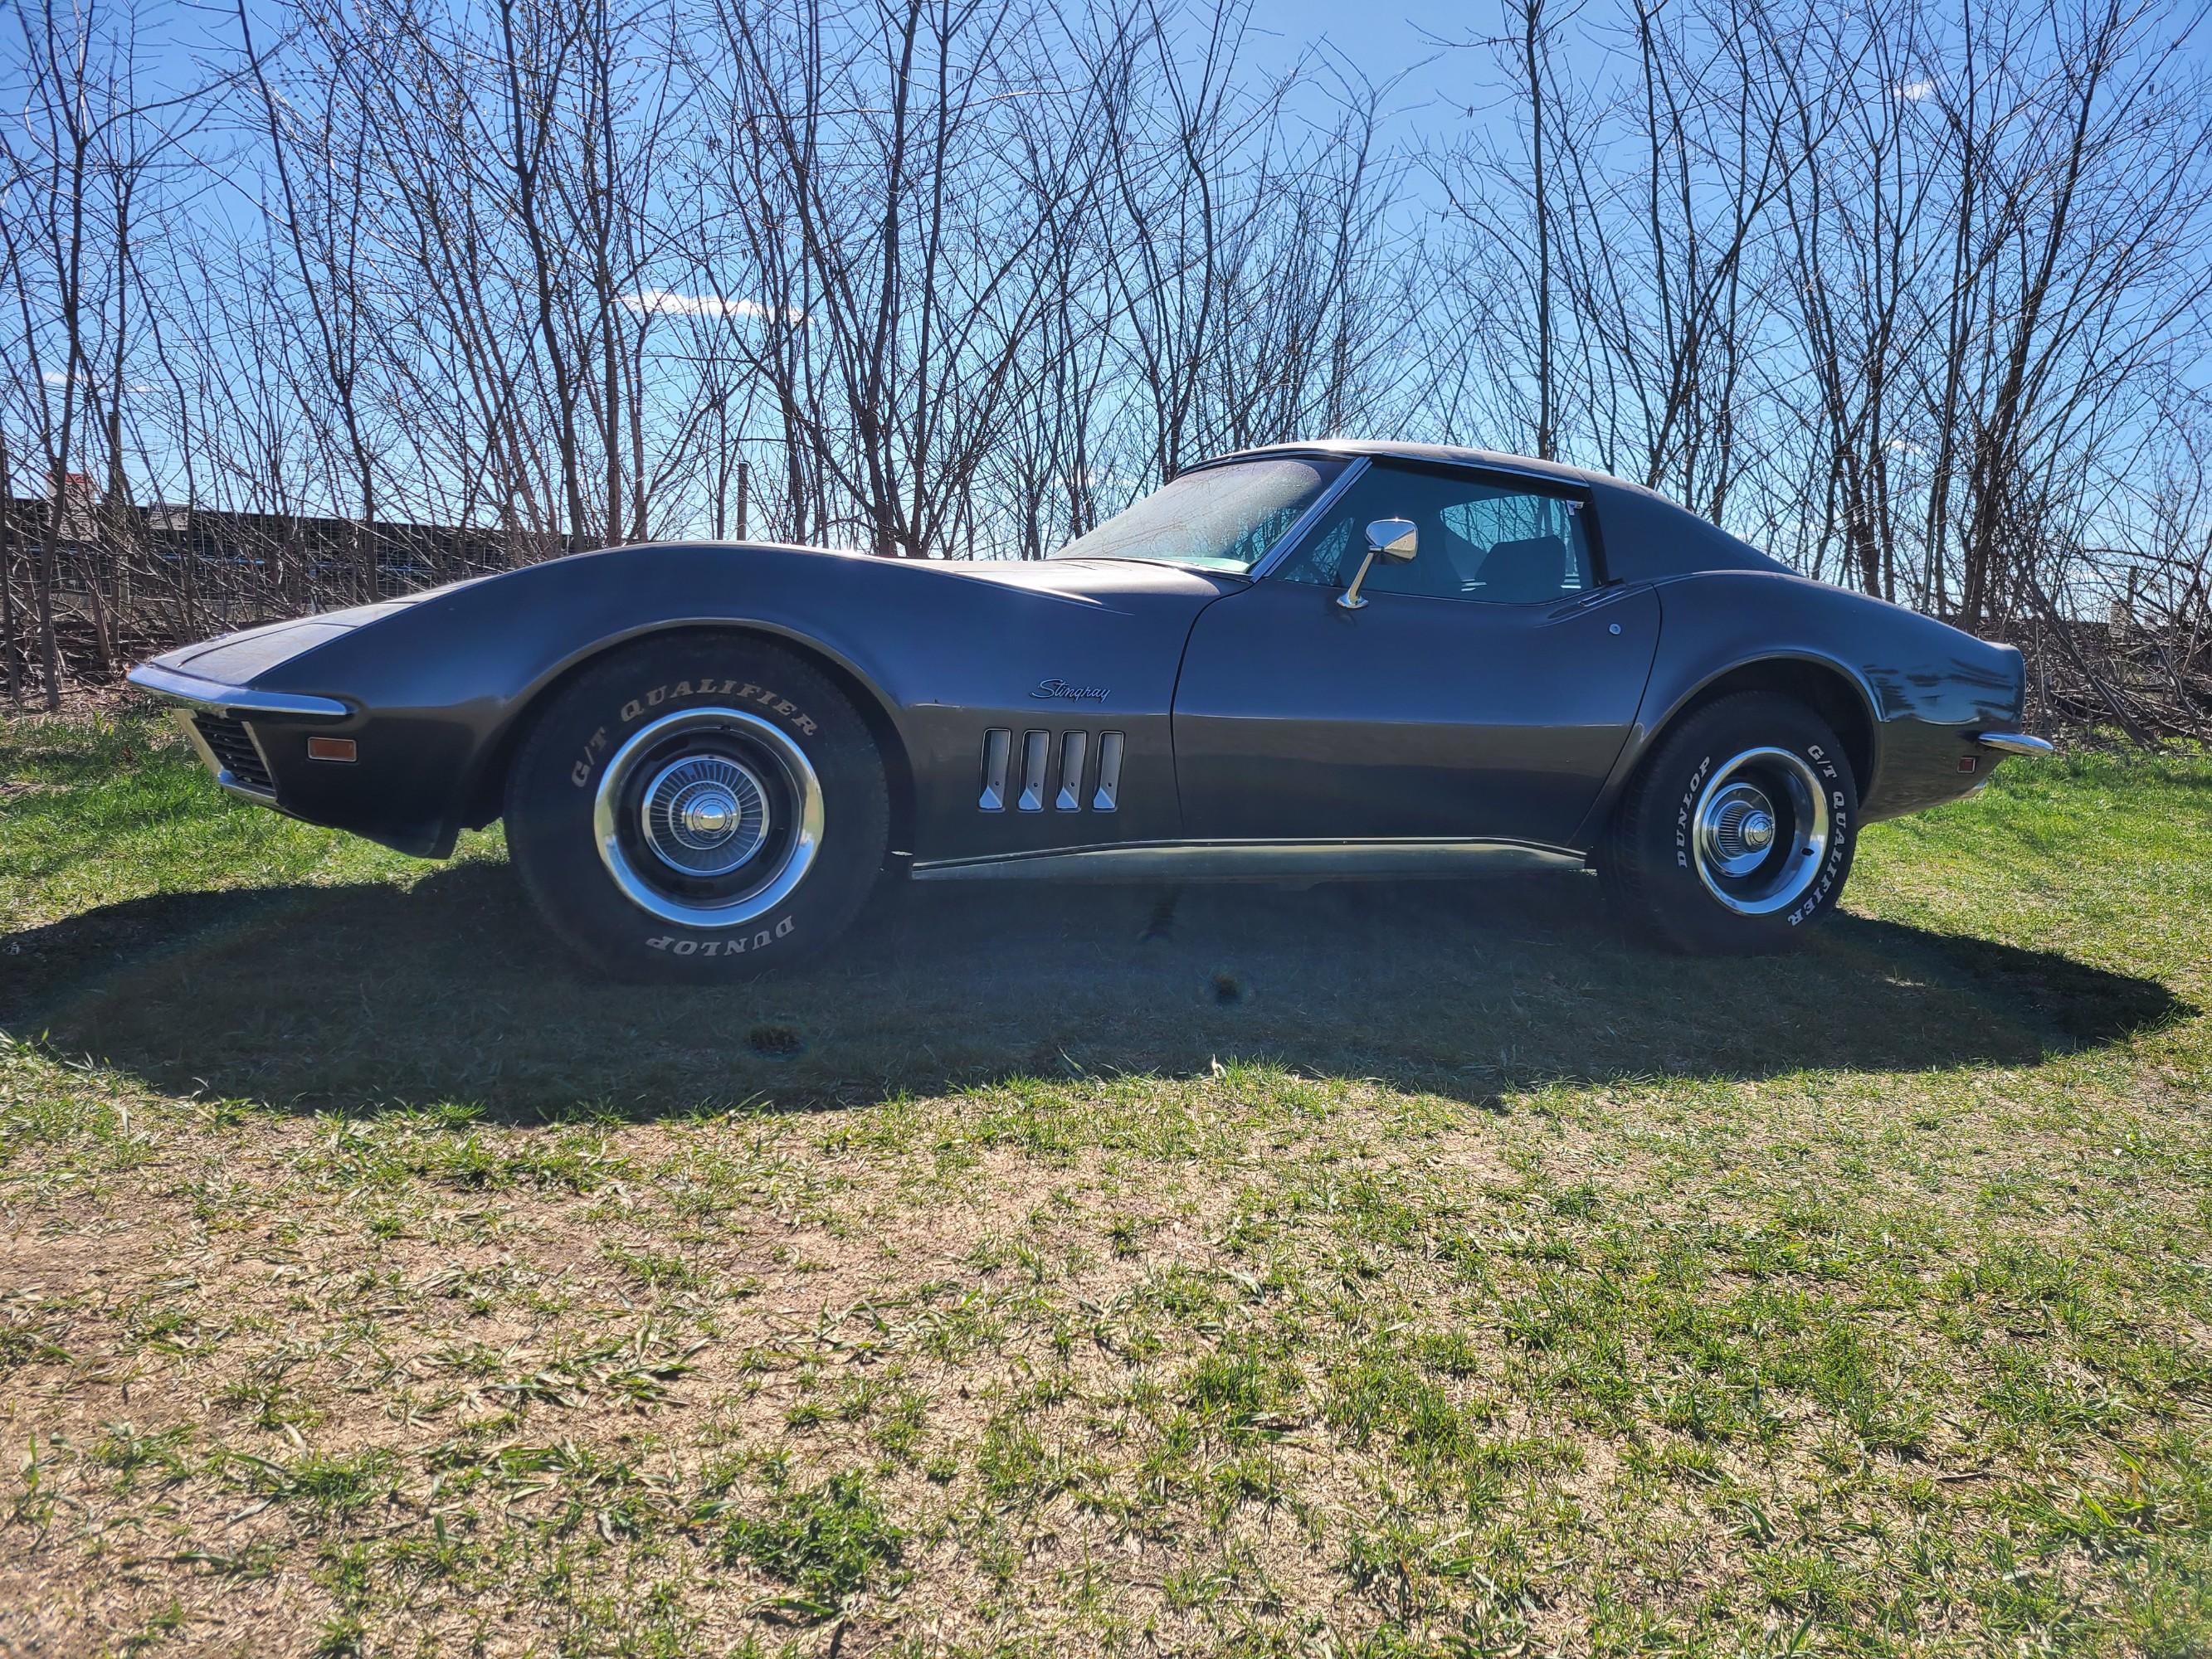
point(710, 814)
point(705, 816)
point(1757, 830)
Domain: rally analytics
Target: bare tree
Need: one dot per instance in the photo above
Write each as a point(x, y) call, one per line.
point(1912, 291)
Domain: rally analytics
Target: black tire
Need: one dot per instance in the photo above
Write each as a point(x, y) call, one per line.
point(1682, 859)
point(667, 744)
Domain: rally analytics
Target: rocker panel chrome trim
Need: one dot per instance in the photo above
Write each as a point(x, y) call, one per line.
point(1255, 861)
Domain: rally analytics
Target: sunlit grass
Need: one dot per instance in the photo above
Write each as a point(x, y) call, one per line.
point(1466, 1283)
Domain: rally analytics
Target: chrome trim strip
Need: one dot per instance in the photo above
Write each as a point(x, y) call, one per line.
point(1471, 460)
point(2014, 742)
point(262, 750)
point(1306, 520)
point(189, 727)
point(233, 699)
point(1254, 860)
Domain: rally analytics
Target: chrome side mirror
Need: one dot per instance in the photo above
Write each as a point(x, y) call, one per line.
point(1394, 539)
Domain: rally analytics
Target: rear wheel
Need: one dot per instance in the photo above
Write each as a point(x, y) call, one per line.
point(697, 807)
point(1738, 831)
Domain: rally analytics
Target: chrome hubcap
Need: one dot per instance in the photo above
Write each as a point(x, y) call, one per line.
point(705, 815)
point(1738, 827)
point(708, 817)
point(1760, 831)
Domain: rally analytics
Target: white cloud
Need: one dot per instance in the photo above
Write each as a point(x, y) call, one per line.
point(54, 376)
point(1917, 88)
point(702, 305)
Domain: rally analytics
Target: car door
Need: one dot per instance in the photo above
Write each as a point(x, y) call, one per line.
point(1482, 692)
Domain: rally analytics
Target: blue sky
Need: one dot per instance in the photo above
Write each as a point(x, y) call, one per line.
point(1387, 40)
point(1382, 39)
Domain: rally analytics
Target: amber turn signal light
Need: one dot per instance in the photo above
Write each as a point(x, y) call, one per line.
point(330, 749)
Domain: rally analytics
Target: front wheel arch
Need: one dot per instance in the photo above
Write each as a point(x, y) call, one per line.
point(490, 788)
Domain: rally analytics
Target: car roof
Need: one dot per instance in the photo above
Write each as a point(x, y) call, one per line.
point(1646, 535)
point(1447, 454)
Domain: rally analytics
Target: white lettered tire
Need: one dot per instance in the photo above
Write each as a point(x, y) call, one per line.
point(697, 806)
point(1737, 833)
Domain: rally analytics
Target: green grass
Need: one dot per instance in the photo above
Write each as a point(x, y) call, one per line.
point(1380, 1271)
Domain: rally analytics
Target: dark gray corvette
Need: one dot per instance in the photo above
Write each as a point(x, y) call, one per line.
point(1307, 662)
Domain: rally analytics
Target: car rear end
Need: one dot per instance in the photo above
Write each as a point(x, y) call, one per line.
point(1947, 725)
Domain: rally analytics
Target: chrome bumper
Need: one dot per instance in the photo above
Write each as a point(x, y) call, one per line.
point(237, 706)
point(235, 700)
point(2014, 742)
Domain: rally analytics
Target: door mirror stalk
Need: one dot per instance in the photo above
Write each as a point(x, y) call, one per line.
point(1394, 539)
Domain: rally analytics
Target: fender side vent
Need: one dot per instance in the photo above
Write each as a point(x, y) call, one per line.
point(1037, 748)
point(996, 743)
point(1073, 747)
point(1062, 773)
point(1108, 792)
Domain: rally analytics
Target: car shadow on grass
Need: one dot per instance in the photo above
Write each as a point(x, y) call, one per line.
point(358, 998)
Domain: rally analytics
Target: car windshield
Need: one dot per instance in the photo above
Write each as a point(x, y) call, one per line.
point(1219, 518)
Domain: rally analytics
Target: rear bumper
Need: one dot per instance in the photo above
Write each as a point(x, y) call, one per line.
point(2014, 742)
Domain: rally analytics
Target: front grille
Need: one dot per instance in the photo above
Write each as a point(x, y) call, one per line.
point(232, 748)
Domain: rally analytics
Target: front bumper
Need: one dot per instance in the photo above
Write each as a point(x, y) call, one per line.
point(241, 700)
point(220, 719)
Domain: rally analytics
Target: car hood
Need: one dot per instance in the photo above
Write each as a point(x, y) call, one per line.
point(1076, 579)
point(240, 659)
point(235, 659)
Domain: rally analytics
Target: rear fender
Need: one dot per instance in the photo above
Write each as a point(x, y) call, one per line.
point(1924, 687)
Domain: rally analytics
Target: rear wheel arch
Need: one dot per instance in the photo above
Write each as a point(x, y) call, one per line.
point(489, 788)
point(1827, 688)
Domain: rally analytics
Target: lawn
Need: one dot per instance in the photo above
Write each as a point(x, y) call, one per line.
point(1382, 1271)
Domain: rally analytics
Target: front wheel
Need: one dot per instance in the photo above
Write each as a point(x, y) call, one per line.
point(1737, 833)
point(697, 807)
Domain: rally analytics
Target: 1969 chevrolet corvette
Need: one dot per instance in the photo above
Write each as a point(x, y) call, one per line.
point(1307, 662)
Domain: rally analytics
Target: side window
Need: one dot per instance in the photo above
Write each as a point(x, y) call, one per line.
point(1491, 543)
